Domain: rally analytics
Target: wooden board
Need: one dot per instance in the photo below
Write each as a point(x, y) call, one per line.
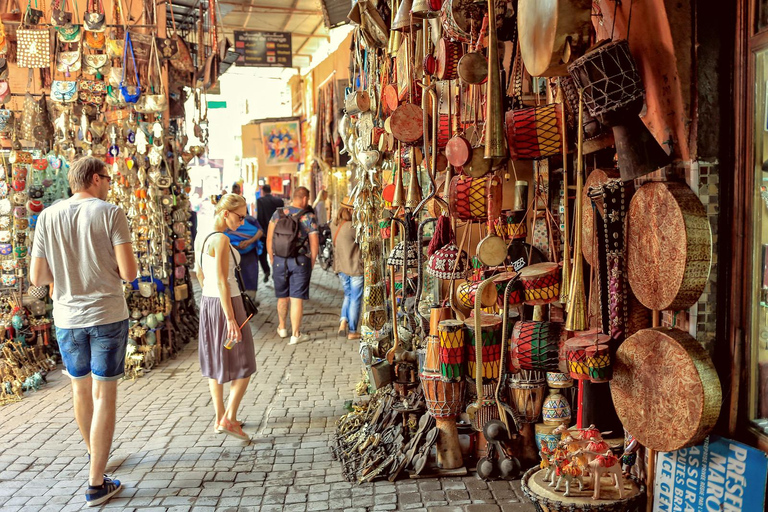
point(665, 389)
point(669, 246)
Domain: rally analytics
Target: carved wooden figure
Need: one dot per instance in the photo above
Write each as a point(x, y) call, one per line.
point(607, 463)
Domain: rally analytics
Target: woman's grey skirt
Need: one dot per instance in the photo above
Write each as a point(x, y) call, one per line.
point(217, 362)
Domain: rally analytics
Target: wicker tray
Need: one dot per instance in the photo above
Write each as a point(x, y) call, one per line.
point(547, 500)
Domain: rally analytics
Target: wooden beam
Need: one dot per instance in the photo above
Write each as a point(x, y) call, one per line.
point(297, 34)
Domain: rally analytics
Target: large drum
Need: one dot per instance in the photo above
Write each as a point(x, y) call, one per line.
point(669, 246)
point(468, 199)
point(491, 345)
point(665, 389)
point(515, 294)
point(467, 293)
point(452, 360)
point(612, 85)
point(527, 391)
point(541, 283)
point(535, 132)
point(535, 345)
point(445, 399)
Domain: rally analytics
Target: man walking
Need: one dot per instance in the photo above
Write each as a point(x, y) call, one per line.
point(82, 247)
point(293, 245)
point(265, 209)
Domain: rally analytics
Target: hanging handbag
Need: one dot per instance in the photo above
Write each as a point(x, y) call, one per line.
point(183, 59)
point(95, 40)
point(28, 116)
point(94, 19)
point(6, 120)
point(43, 128)
point(92, 92)
point(153, 103)
point(113, 97)
point(129, 93)
point(115, 46)
point(69, 34)
point(67, 62)
point(60, 17)
point(95, 64)
point(64, 91)
point(33, 48)
point(5, 91)
point(32, 16)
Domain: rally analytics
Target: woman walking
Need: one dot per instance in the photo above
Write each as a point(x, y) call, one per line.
point(246, 240)
point(222, 318)
point(348, 264)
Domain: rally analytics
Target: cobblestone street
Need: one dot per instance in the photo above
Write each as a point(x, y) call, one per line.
point(169, 458)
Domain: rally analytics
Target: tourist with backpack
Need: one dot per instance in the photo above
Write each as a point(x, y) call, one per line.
point(293, 245)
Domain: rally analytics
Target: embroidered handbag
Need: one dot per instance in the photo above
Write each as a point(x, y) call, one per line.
point(64, 91)
point(19, 172)
point(43, 128)
point(113, 97)
point(39, 164)
point(27, 116)
point(95, 40)
point(33, 48)
point(35, 206)
point(5, 236)
point(92, 92)
point(93, 19)
point(8, 265)
point(6, 249)
point(20, 212)
point(183, 59)
point(95, 64)
point(5, 91)
point(9, 280)
point(66, 62)
point(20, 157)
point(69, 34)
point(129, 93)
point(60, 17)
point(32, 16)
point(115, 47)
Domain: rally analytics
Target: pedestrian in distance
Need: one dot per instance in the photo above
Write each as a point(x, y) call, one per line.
point(225, 341)
point(82, 247)
point(348, 263)
point(293, 245)
point(266, 205)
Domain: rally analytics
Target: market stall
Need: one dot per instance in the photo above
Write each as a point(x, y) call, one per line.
point(107, 80)
point(520, 249)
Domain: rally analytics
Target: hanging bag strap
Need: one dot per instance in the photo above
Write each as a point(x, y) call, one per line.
point(153, 50)
point(238, 274)
point(128, 44)
point(173, 18)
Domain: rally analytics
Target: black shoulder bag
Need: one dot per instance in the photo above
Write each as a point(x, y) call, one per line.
point(250, 307)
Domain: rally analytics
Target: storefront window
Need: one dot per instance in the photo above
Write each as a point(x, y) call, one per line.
point(759, 337)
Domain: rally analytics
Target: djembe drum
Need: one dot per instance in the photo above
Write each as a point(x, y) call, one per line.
point(535, 345)
point(452, 360)
point(445, 401)
point(541, 283)
point(535, 132)
point(491, 345)
point(516, 227)
point(527, 390)
point(448, 55)
point(432, 357)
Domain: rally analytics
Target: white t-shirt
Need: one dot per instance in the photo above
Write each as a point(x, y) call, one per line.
point(77, 238)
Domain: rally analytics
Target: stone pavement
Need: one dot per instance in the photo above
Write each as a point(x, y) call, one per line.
point(169, 459)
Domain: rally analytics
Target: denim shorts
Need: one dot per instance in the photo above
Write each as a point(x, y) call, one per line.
point(97, 350)
point(291, 277)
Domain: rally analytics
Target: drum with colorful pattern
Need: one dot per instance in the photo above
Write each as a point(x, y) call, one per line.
point(599, 362)
point(515, 295)
point(541, 283)
point(452, 360)
point(491, 345)
point(448, 55)
point(466, 293)
point(576, 353)
point(535, 345)
point(468, 199)
point(515, 225)
point(535, 132)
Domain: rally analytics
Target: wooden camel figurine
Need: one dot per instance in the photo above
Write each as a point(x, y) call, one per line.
point(607, 463)
point(570, 472)
point(558, 458)
point(546, 463)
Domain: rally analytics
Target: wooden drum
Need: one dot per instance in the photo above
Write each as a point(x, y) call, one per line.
point(452, 360)
point(466, 292)
point(516, 293)
point(535, 345)
point(541, 283)
point(665, 389)
point(535, 132)
point(468, 199)
point(527, 391)
point(576, 353)
point(491, 345)
point(445, 399)
point(669, 246)
point(599, 362)
point(448, 55)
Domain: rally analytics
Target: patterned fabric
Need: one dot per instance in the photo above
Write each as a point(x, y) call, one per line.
point(33, 48)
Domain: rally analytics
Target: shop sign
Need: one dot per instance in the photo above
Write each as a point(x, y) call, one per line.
point(264, 49)
point(717, 475)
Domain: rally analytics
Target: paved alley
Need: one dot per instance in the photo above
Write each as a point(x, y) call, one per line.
point(169, 458)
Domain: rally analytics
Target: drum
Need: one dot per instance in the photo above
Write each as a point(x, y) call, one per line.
point(451, 338)
point(544, 435)
point(665, 389)
point(443, 130)
point(488, 408)
point(407, 123)
point(535, 345)
point(535, 132)
point(541, 283)
point(515, 295)
point(559, 380)
point(612, 85)
point(515, 226)
point(669, 246)
point(467, 290)
point(526, 392)
point(468, 198)
point(455, 24)
point(445, 399)
point(576, 353)
point(448, 55)
point(599, 362)
point(491, 345)
point(432, 356)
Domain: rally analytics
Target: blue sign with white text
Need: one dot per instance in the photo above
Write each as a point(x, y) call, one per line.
point(717, 475)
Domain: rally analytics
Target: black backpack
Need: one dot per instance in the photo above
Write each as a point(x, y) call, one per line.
point(287, 241)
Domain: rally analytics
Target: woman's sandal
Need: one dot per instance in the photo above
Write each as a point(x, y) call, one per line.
point(343, 330)
point(228, 428)
point(217, 428)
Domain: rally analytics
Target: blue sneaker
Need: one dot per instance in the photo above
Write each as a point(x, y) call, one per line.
point(96, 495)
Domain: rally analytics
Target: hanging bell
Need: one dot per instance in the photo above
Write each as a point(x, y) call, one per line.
point(413, 198)
point(403, 19)
point(398, 200)
point(422, 9)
